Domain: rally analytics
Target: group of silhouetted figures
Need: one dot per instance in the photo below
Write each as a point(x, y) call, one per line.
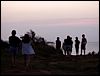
point(68, 45)
point(26, 43)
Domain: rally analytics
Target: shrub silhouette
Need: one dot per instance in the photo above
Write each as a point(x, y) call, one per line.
point(4, 44)
point(41, 47)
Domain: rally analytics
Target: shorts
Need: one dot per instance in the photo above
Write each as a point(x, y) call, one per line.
point(83, 47)
point(68, 47)
point(13, 50)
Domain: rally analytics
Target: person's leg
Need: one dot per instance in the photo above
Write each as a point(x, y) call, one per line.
point(81, 51)
point(14, 56)
point(25, 59)
point(84, 51)
point(71, 50)
point(65, 52)
point(76, 51)
point(28, 60)
point(68, 52)
point(13, 59)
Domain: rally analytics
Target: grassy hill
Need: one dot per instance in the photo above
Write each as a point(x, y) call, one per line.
point(52, 65)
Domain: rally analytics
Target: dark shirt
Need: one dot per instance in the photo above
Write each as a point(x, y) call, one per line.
point(84, 41)
point(14, 41)
point(77, 42)
point(68, 42)
point(58, 43)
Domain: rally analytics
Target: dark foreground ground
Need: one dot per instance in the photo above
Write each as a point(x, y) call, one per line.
point(56, 65)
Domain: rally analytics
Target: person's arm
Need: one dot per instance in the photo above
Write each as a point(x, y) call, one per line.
point(32, 44)
point(63, 45)
point(78, 41)
point(9, 40)
point(72, 41)
point(72, 44)
point(18, 41)
point(60, 44)
point(86, 41)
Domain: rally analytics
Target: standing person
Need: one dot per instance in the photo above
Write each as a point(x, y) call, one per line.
point(71, 43)
point(77, 42)
point(58, 46)
point(27, 49)
point(64, 47)
point(83, 44)
point(67, 45)
point(14, 42)
point(58, 43)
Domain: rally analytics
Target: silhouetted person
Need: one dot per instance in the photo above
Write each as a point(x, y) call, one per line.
point(83, 44)
point(14, 42)
point(71, 43)
point(77, 42)
point(43, 41)
point(58, 43)
point(67, 45)
point(27, 49)
point(58, 46)
point(64, 47)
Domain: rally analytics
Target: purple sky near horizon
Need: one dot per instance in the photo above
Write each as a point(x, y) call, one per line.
point(50, 19)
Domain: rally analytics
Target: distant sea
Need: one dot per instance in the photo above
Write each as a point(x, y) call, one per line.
point(90, 47)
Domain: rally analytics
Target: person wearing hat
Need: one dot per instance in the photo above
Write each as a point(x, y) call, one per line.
point(83, 44)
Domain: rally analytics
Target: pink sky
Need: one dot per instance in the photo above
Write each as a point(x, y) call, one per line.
point(22, 11)
point(42, 15)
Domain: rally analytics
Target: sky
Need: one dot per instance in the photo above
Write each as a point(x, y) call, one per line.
point(50, 19)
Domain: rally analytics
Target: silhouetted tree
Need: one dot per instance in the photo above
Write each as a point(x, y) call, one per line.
point(41, 46)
